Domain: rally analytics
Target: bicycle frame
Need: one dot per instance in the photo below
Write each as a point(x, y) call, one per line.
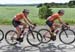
point(63, 28)
point(30, 29)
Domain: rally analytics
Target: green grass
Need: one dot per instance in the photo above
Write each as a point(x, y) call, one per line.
point(8, 12)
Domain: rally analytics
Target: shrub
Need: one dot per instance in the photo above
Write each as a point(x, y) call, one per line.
point(44, 12)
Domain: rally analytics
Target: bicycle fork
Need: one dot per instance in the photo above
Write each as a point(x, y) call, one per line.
point(66, 34)
point(32, 34)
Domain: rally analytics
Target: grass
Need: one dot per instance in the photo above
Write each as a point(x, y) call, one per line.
point(8, 12)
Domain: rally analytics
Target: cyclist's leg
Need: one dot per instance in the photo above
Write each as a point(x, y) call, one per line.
point(55, 26)
point(52, 28)
point(24, 25)
point(21, 32)
point(50, 24)
point(16, 25)
point(53, 35)
point(18, 30)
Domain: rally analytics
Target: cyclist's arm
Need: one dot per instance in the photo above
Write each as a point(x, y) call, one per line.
point(48, 17)
point(29, 21)
point(60, 20)
point(25, 20)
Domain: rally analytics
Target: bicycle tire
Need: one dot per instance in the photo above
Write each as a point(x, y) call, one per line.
point(6, 38)
point(60, 34)
point(37, 34)
point(1, 35)
point(45, 30)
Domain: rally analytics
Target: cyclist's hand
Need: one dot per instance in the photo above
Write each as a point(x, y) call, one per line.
point(34, 24)
point(67, 25)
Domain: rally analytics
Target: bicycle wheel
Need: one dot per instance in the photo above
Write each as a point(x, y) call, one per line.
point(67, 36)
point(1, 35)
point(10, 37)
point(45, 34)
point(32, 38)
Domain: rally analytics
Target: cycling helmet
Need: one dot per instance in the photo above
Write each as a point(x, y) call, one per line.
point(61, 11)
point(25, 11)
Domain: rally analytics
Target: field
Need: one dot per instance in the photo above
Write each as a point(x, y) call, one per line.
point(8, 12)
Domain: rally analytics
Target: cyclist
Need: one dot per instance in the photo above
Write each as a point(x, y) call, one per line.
point(18, 21)
point(51, 22)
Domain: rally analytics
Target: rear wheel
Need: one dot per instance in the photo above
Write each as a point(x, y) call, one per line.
point(45, 34)
point(67, 36)
point(10, 37)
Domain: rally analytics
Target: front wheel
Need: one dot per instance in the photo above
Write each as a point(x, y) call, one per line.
point(1, 35)
point(32, 38)
point(10, 37)
point(67, 36)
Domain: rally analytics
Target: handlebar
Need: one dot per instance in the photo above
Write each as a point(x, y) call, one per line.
point(32, 27)
point(64, 27)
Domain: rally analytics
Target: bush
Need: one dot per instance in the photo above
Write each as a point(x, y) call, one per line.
point(44, 12)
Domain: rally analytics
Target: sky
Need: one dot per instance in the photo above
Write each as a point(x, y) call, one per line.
point(31, 1)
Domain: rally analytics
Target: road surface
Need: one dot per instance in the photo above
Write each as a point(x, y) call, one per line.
point(52, 46)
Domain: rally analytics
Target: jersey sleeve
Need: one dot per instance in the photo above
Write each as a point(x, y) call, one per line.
point(57, 16)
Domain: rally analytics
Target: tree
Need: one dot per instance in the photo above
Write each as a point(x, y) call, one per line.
point(44, 12)
point(71, 3)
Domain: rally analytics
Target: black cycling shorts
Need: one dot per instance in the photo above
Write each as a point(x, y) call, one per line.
point(49, 23)
point(16, 23)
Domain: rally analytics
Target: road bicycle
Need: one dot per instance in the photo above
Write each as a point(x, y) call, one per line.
point(32, 36)
point(66, 35)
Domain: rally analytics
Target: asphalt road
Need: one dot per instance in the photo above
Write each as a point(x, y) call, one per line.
point(52, 46)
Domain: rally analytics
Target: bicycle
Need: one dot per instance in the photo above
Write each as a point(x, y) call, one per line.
point(1, 35)
point(31, 35)
point(65, 35)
